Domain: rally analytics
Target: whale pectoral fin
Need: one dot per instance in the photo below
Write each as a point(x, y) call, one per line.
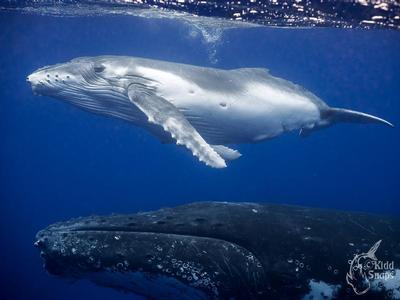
point(161, 112)
point(226, 152)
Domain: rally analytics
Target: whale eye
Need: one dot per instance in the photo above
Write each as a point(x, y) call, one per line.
point(99, 68)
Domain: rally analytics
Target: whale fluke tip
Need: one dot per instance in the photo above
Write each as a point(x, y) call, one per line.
point(352, 116)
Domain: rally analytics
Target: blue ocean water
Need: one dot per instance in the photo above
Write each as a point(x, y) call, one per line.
point(58, 162)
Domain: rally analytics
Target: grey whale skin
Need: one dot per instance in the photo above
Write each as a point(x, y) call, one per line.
point(203, 109)
point(213, 250)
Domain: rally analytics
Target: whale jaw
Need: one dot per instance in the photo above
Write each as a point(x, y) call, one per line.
point(132, 268)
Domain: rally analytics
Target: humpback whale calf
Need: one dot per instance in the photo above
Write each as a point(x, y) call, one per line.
point(204, 109)
point(213, 250)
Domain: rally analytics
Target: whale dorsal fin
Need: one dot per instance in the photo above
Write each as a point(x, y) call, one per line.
point(161, 112)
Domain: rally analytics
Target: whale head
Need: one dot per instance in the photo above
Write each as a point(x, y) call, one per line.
point(96, 84)
point(84, 75)
point(61, 79)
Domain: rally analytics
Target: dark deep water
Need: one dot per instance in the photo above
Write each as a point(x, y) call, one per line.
point(57, 162)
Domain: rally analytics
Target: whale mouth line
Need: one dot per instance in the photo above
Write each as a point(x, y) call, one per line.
point(122, 229)
point(115, 229)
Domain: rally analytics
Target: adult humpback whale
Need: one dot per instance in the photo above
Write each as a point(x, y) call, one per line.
point(201, 108)
point(214, 250)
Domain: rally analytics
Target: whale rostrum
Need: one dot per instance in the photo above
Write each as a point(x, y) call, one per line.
point(203, 109)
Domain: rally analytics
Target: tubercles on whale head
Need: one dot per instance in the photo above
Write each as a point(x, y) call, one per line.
point(78, 74)
point(95, 84)
point(53, 79)
point(78, 78)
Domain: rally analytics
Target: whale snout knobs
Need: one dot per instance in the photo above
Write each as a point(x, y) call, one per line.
point(38, 80)
point(35, 82)
point(47, 81)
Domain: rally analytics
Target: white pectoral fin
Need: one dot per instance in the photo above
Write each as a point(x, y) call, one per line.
point(226, 152)
point(161, 112)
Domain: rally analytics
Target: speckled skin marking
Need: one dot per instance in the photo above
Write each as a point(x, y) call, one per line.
point(214, 250)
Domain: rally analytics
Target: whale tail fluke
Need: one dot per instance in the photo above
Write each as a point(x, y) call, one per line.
point(330, 116)
point(336, 115)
